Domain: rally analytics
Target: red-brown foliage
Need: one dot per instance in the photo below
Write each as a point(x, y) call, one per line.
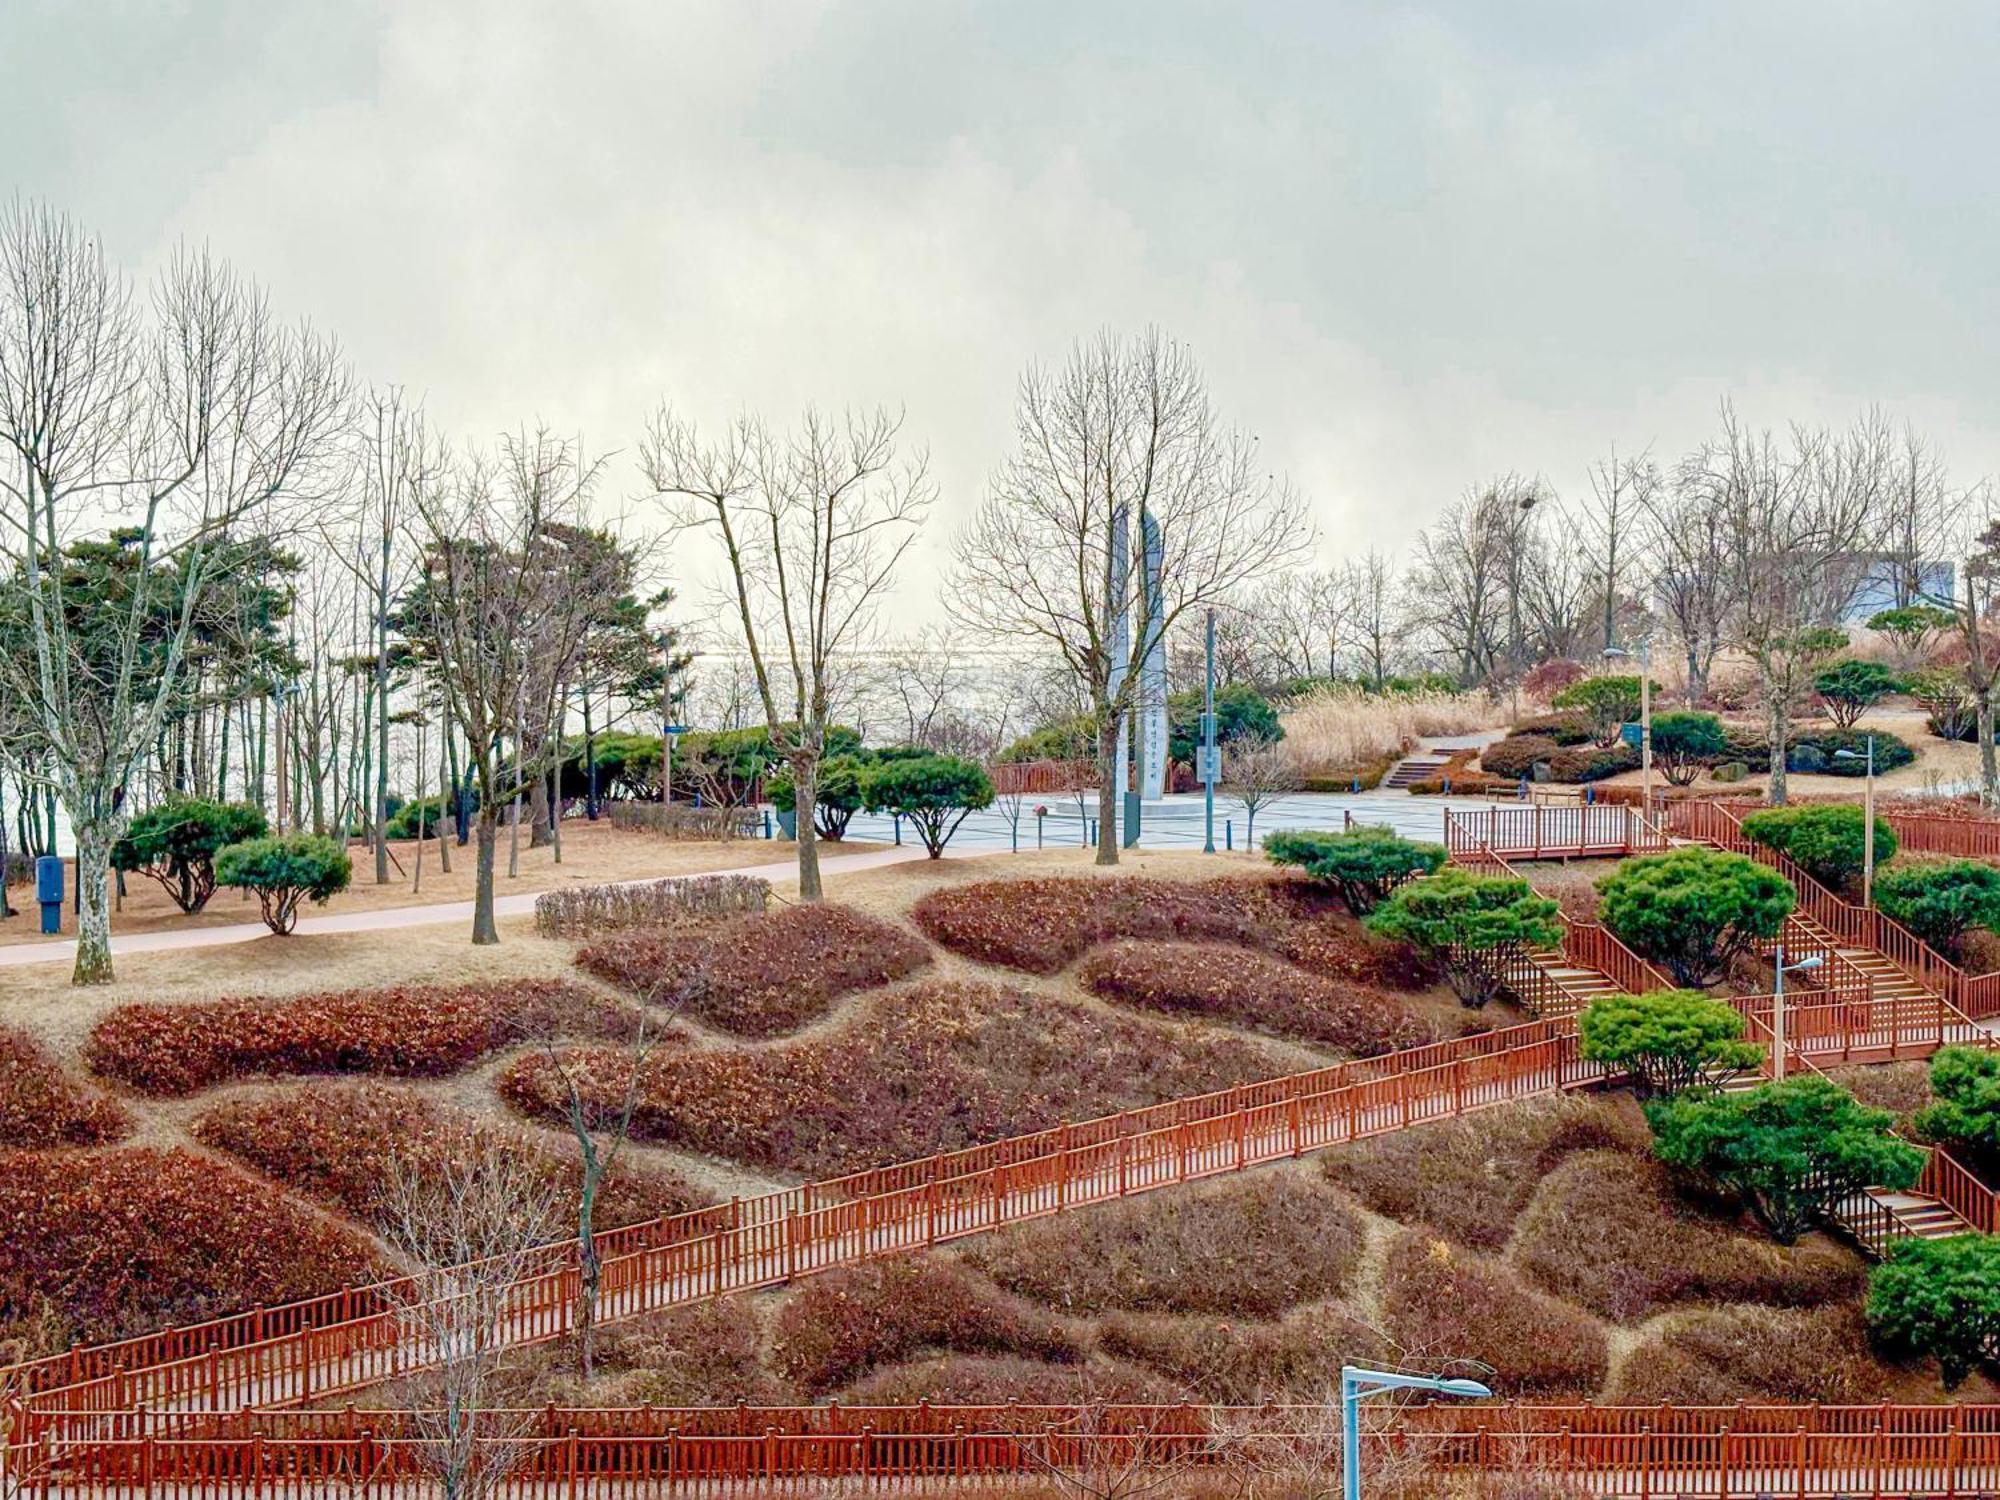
point(762, 974)
point(1609, 1232)
point(1470, 1178)
point(1248, 1247)
point(1757, 1354)
point(705, 1354)
point(126, 1240)
point(41, 1105)
point(931, 1068)
point(1043, 925)
point(1298, 1359)
point(1254, 990)
point(848, 1321)
point(1332, 945)
point(338, 1141)
point(995, 1379)
point(1445, 1303)
point(408, 1031)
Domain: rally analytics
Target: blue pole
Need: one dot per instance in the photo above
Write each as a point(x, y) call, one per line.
point(1350, 1436)
point(1208, 743)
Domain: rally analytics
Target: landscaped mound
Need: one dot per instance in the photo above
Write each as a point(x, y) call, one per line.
point(406, 1032)
point(1441, 1299)
point(705, 1354)
point(1609, 1232)
point(338, 1142)
point(1252, 990)
point(1249, 1247)
point(1470, 1178)
point(759, 975)
point(122, 1241)
point(931, 1068)
point(1756, 1354)
point(1234, 1361)
point(41, 1105)
point(995, 1379)
point(840, 1325)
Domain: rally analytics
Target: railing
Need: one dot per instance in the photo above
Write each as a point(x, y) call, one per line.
point(1594, 946)
point(1968, 838)
point(1812, 1452)
point(348, 1340)
point(1543, 832)
point(1835, 1030)
point(1976, 995)
point(1022, 778)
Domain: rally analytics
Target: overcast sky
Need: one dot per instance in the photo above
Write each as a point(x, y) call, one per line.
point(1414, 245)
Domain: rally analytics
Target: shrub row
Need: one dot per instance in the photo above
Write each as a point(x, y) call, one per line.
point(1610, 1233)
point(585, 909)
point(1471, 1178)
point(1234, 1361)
point(1436, 1296)
point(123, 1241)
point(1249, 1247)
point(338, 1142)
point(407, 1031)
point(994, 1379)
point(849, 1321)
point(41, 1105)
point(932, 1068)
point(762, 974)
point(1731, 1354)
point(1253, 990)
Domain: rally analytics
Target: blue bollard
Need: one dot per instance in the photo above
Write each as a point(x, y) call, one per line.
point(49, 891)
point(1228, 834)
point(767, 816)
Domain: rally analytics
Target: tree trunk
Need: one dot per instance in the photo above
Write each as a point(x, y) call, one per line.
point(805, 797)
point(538, 813)
point(93, 921)
point(590, 1266)
point(1989, 772)
point(483, 930)
point(1780, 727)
point(1107, 791)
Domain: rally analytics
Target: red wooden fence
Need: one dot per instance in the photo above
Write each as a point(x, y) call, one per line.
point(1720, 1451)
point(1032, 777)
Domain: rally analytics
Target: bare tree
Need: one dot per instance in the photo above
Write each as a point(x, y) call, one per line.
point(1467, 582)
point(471, 1232)
point(1368, 603)
point(169, 426)
point(1975, 607)
point(1612, 538)
point(812, 526)
point(1257, 776)
point(924, 679)
point(1297, 624)
point(1920, 511)
point(1122, 437)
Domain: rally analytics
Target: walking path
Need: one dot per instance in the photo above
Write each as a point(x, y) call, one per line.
point(387, 918)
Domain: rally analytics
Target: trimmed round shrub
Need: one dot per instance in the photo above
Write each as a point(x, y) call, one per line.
point(1693, 909)
point(1941, 901)
point(285, 871)
point(1565, 728)
point(1608, 702)
point(176, 844)
point(1829, 841)
point(1939, 1299)
point(1363, 864)
point(1850, 688)
point(1685, 742)
point(1592, 763)
point(1891, 752)
point(935, 792)
point(1463, 922)
point(1671, 1040)
point(1517, 755)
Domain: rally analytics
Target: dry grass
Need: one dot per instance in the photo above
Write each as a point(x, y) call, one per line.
point(338, 1142)
point(1249, 1247)
point(1452, 1303)
point(934, 1067)
point(762, 974)
point(842, 1324)
point(1608, 1232)
point(1335, 729)
point(707, 1354)
point(1471, 1178)
point(994, 1379)
point(1901, 1087)
point(1253, 990)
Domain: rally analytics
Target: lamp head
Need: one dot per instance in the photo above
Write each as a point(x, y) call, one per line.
point(1806, 963)
point(1470, 1389)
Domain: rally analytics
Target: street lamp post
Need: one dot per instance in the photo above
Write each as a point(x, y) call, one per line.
point(1645, 719)
point(1778, 1006)
point(1868, 822)
point(1356, 1385)
point(1208, 742)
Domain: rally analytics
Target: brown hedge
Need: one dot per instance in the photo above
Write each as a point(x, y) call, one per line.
point(934, 1067)
point(1609, 1232)
point(1251, 989)
point(705, 1354)
point(1733, 1354)
point(130, 1239)
point(408, 1031)
point(842, 1324)
point(1210, 1359)
point(1247, 1247)
point(1443, 1300)
point(337, 1141)
point(759, 975)
point(1470, 1178)
point(41, 1105)
point(995, 1379)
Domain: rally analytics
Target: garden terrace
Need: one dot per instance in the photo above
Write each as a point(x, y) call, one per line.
point(763, 974)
